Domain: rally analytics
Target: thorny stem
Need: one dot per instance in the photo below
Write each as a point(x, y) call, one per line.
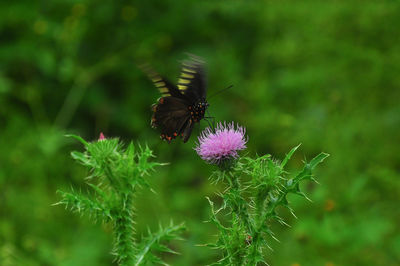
point(124, 230)
point(238, 204)
point(239, 215)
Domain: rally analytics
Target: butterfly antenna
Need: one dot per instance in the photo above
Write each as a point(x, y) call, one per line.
point(218, 92)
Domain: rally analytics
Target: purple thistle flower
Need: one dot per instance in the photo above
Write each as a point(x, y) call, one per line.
point(222, 144)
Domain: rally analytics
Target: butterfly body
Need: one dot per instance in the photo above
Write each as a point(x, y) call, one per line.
point(181, 105)
point(198, 110)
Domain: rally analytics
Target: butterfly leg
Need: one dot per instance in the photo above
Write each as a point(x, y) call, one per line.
point(211, 125)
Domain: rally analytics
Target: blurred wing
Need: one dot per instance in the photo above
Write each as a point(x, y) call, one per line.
point(192, 81)
point(165, 87)
point(171, 114)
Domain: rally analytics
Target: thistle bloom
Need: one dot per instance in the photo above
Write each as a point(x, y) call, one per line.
point(221, 144)
point(101, 137)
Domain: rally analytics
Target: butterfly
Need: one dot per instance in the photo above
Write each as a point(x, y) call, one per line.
point(181, 105)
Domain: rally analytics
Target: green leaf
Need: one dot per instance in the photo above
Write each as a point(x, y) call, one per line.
point(80, 139)
point(318, 159)
point(306, 172)
point(130, 151)
point(289, 155)
point(79, 156)
point(152, 243)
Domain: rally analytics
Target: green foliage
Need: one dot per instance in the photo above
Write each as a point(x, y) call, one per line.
point(253, 206)
point(116, 175)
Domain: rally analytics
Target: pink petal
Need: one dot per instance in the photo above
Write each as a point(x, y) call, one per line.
point(222, 144)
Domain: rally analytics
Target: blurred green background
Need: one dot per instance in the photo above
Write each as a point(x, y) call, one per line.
point(324, 74)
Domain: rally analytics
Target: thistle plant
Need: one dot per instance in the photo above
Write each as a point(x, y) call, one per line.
point(116, 174)
point(255, 188)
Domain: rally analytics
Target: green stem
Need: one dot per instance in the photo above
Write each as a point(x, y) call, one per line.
point(124, 231)
point(239, 215)
point(253, 254)
point(239, 205)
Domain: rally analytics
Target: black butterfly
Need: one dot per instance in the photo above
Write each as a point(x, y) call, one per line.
point(182, 105)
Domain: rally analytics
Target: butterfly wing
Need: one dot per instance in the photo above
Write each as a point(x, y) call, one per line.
point(171, 115)
point(192, 81)
point(165, 87)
